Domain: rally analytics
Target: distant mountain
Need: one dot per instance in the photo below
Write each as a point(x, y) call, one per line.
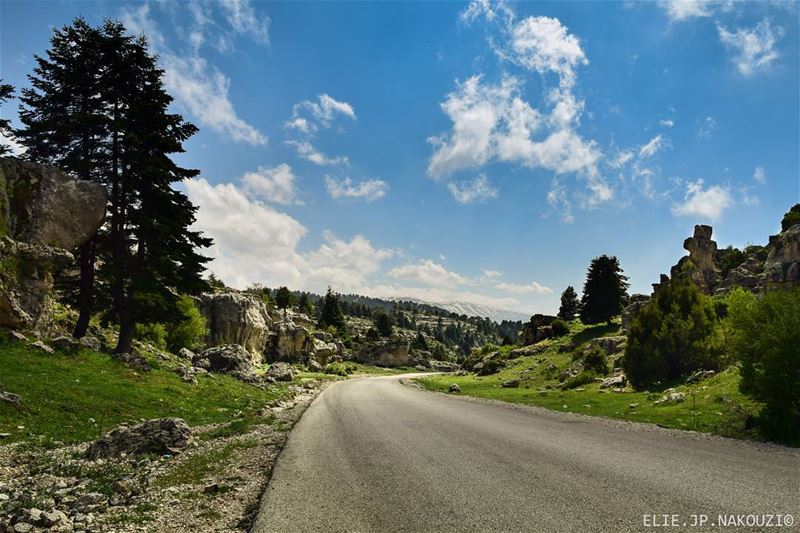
point(463, 308)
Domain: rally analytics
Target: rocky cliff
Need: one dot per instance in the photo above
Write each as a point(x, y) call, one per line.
point(237, 318)
point(44, 215)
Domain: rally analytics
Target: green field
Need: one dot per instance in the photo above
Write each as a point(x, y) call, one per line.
point(713, 405)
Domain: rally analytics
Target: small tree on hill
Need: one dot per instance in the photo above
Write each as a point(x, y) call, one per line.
point(569, 304)
point(383, 323)
point(604, 291)
point(791, 217)
point(420, 343)
point(283, 299)
point(304, 304)
point(670, 336)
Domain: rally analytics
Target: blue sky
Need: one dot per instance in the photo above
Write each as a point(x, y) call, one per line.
point(478, 152)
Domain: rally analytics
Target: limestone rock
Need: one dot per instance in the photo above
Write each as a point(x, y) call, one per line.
point(673, 397)
point(292, 343)
point(10, 398)
point(39, 345)
point(454, 387)
point(510, 384)
point(280, 371)
point(391, 352)
point(782, 266)
point(231, 359)
point(537, 329)
point(442, 366)
point(700, 265)
point(159, 436)
point(236, 318)
point(609, 345)
point(43, 215)
point(616, 381)
point(635, 304)
point(65, 343)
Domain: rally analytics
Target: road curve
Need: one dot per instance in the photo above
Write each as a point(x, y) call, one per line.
point(374, 455)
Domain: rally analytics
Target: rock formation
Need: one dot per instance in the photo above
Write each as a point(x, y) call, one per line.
point(290, 342)
point(782, 266)
point(635, 304)
point(237, 318)
point(389, 352)
point(537, 329)
point(700, 265)
point(44, 215)
point(231, 359)
point(159, 436)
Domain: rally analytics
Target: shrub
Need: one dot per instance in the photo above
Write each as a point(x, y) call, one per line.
point(559, 328)
point(338, 369)
point(595, 360)
point(670, 336)
point(190, 331)
point(791, 217)
point(765, 338)
point(152, 332)
point(584, 378)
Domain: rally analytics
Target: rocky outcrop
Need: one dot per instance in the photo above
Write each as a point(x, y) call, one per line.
point(782, 266)
point(44, 215)
point(700, 264)
point(537, 329)
point(391, 352)
point(609, 345)
point(160, 436)
point(292, 343)
point(280, 371)
point(237, 318)
point(635, 304)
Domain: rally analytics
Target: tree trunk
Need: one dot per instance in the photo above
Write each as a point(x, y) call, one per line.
point(127, 328)
point(86, 289)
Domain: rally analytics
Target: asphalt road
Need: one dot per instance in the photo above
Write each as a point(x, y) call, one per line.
point(375, 455)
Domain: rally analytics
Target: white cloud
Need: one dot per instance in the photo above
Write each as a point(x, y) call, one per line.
point(242, 16)
point(275, 184)
point(477, 190)
point(545, 45)
point(443, 294)
point(678, 10)
point(308, 152)
point(706, 127)
point(255, 243)
point(760, 175)
point(754, 49)
point(197, 86)
point(516, 288)
point(302, 125)
point(368, 190)
point(707, 203)
point(16, 148)
point(667, 122)
point(652, 147)
point(621, 159)
point(492, 122)
point(488, 276)
point(430, 273)
point(318, 113)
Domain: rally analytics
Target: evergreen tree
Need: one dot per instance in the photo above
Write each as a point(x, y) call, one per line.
point(283, 299)
point(66, 125)
point(569, 304)
point(6, 92)
point(331, 312)
point(604, 291)
point(304, 304)
point(419, 343)
point(383, 323)
point(791, 217)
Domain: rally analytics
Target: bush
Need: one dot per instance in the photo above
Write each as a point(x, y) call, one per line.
point(338, 369)
point(559, 328)
point(595, 360)
point(584, 378)
point(154, 333)
point(766, 339)
point(670, 336)
point(791, 217)
point(190, 331)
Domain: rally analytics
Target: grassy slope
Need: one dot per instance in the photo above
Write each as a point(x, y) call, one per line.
point(712, 406)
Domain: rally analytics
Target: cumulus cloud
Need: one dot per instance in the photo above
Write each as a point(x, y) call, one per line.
point(680, 10)
point(430, 273)
point(517, 288)
point(544, 45)
point(708, 202)
point(490, 275)
point(309, 115)
point(307, 151)
point(760, 175)
point(199, 87)
point(753, 48)
point(242, 16)
point(255, 243)
point(275, 184)
point(368, 190)
point(477, 190)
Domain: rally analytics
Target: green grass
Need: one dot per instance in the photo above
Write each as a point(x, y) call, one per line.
point(197, 467)
point(712, 406)
point(75, 397)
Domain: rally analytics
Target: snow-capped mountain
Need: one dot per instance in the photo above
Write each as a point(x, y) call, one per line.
point(469, 309)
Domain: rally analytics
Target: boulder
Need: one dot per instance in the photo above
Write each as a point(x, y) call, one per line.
point(615, 381)
point(441, 366)
point(237, 318)
point(673, 397)
point(10, 398)
point(391, 352)
point(231, 359)
point(314, 366)
point(65, 343)
point(291, 343)
point(526, 351)
point(700, 264)
point(92, 343)
point(186, 353)
point(39, 345)
point(43, 215)
point(280, 371)
point(454, 387)
point(160, 436)
point(510, 384)
point(608, 345)
point(537, 329)
point(700, 375)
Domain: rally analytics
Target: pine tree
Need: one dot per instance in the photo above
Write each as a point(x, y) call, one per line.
point(604, 291)
point(569, 304)
point(66, 126)
point(6, 92)
point(331, 312)
point(383, 323)
point(283, 299)
point(304, 305)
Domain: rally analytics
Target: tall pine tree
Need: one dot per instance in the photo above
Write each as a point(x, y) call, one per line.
point(604, 291)
point(569, 304)
point(331, 312)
